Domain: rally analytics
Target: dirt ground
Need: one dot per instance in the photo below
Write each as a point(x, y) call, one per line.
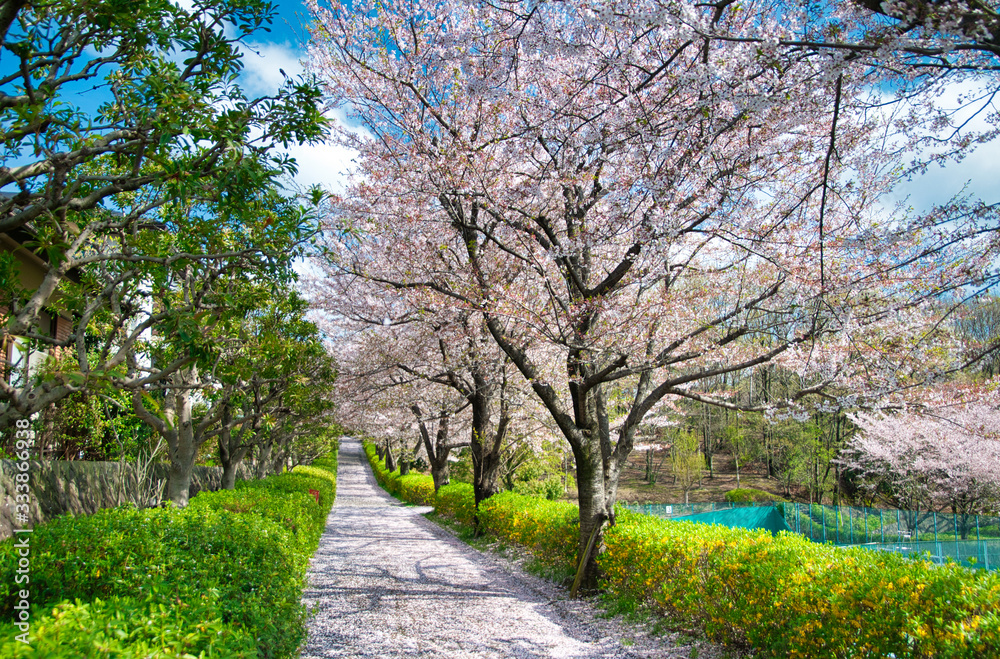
point(633, 487)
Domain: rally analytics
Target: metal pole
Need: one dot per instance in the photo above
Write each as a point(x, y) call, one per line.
point(899, 532)
point(881, 524)
point(957, 557)
point(824, 524)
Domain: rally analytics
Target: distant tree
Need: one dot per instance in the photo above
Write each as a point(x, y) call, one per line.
point(980, 323)
point(687, 462)
point(921, 458)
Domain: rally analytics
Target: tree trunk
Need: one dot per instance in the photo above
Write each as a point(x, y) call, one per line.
point(232, 451)
point(179, 483)
point(486, 445)
point(263, 466)
point(390, 462)
point(179, 432)
point(593, 503)
point(229, 469)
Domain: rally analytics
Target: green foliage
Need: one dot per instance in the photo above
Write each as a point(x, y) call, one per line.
point(384, 477)
point(124, 628)
point(458, 501)
point(750, 495)
point(686, 460)
point(417, 488)
point(226, 573)
point(550, 488)
point(550, 529)
point(788, 597)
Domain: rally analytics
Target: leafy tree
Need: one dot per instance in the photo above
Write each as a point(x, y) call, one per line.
point(98, 194)
point(277, 370)
point(176, 377)
point(687, 462)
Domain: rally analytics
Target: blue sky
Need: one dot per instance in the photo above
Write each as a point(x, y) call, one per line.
point(283, 49)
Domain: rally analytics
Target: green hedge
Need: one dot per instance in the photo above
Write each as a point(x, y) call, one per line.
point(788, 597)
point(750, 495)
point(550, 529)
point(458, 501)
point(413, 488)
point(220, 578)
point(784, 595)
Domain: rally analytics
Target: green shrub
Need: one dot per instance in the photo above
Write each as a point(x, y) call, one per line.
point(458, 501)
point(550, 529)
point(417, 489)
point(788, 597)
point(128, 629)
point(750, 495)
point(232, 558)
point(550, 488)
point(389, 480)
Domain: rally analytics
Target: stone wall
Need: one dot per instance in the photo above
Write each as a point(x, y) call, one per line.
point(83, 488)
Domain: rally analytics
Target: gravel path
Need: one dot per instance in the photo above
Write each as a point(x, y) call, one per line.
point(386, 582)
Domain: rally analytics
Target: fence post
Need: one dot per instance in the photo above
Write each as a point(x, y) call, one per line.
point(850, 520)
point(822, 508)
point(957, 557)
point(935, 527)
point(881, 524)
point(899, 532)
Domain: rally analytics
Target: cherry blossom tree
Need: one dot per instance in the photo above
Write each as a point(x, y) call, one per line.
point(634, 205)
point(931, 456)
point(399, 342)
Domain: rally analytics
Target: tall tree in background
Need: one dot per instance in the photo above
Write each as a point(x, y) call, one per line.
point(277, 368)
point(656, 207)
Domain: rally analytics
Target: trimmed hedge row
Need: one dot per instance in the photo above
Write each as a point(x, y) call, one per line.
point(788, 597)
point(550, 529)
point(783, 595)
point(412, 488)
point(750, 495)
point(220, 578)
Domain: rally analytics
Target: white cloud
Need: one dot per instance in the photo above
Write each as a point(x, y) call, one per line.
point(980, 170)
point(263, 64)
point(321, 164)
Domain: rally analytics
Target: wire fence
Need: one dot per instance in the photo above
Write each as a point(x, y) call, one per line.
point(972, 540)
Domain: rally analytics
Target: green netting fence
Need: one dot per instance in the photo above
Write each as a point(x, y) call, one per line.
point(973, 540)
